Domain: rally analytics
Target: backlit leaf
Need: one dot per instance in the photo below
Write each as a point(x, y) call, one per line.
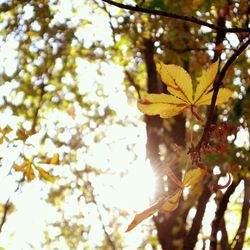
point(165, 110)
point(223, 96)
point(29, 172)
point(54, 160)
point(206, 81)
point(144, 215)
point(179, 85)
point(22, 134)
point(21, 167)
point(178, 81)
point(170, 174)
point(164, 98)
point(171, 202)
point(46, 175)
point(166, 204)
point(27, 168)
point(7, 130)
point(193, 176)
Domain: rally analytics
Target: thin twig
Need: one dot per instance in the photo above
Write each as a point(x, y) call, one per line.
point(110, 18)
point(91, 190)
point(6, 208)
point(133, 83)
point(190, 19)
point(35, 118)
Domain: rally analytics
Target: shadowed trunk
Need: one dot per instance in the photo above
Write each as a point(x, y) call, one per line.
point(192, 236)
point(241, 232)
point(163, 222)
point(222, 206)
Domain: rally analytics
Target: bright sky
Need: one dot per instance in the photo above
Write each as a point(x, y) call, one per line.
point(131, 192)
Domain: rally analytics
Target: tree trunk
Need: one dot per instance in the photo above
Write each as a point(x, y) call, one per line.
point(154, 124)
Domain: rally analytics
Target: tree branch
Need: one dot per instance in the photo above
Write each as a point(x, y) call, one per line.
point(220, 213)
point(6, 208)
point(218, 82)
point(191, 238)
point(240, 235)
point(133, 83)
point(189, 19)
point(224, 237)
point(108, 238)
point(110, 18)
point(35, 118)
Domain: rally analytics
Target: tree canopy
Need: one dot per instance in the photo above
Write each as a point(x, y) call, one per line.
point(98, 98)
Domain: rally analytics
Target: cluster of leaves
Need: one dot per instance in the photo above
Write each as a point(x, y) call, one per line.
point(48, 50)
point(179, 85)
point(218, 138)
point(170, 203)
point(28, 166)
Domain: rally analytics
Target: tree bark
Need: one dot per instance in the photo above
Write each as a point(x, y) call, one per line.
point(154, 125)
point(240, 235)
point(224, 237)
point(192, 236)
point(222, 206)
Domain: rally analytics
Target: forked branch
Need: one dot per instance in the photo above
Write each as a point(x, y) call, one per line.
point(218, 82)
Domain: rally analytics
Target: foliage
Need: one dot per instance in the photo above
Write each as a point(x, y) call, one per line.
point(170, 203)
point(180, 86)
point(54, 116)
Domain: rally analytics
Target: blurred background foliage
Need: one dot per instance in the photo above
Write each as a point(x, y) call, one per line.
point(71, 73)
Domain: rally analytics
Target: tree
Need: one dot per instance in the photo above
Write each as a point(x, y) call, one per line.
point(49, 51)
point(183, 42)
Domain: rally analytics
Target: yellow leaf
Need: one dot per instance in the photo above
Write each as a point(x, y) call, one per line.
point(166, 204)
point(21, 167)
point(27, 168)
point(193, 176)
point(45, 175)
point(29, 172)
point(7, 130)
point(170, 174)
point(144, 215)
point(164, 110)
point(223, 96)
point(55, 159)
point(205, 82)
point(22, 134)
point(171, 202)
point(178, 81)
point(179, 85)
point(162, 104)
point(164, 98)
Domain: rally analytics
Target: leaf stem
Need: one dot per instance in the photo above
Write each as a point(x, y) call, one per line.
point(191, 128)
point(195, 114)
